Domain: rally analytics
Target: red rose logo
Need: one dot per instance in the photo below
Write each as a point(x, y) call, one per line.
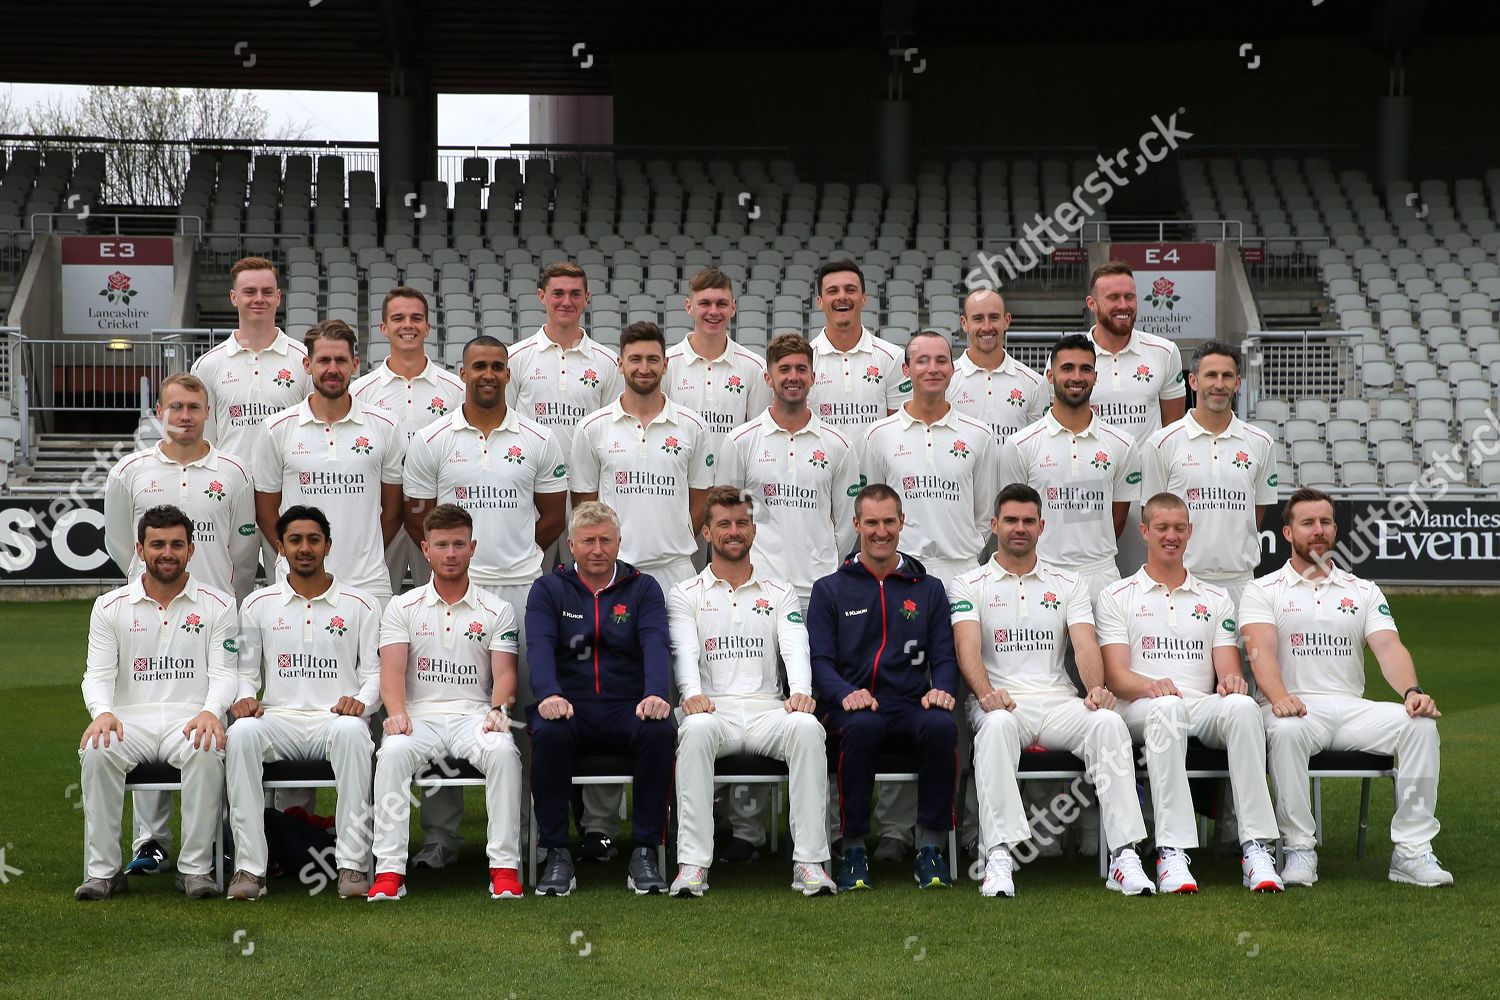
point(283, 378)
point(618, 609)
point(818, 455)
point(513, 454)
point(762, 606)
point(362, 442)
point(119, 281)
point(117, 289)
point(194, 620)
point(1100, 456)
point(1162, 286)
point(1016, 398)
point(336, 621)
point(908, 609)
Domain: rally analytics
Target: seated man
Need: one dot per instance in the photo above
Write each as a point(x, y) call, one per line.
point(882, 661)
point(1168, 641)
point(1011, 619)
point(728, 624)
point(447, 680)
point(1305, 628)
point(160, 668)
point(596, 641)
point(310, 653)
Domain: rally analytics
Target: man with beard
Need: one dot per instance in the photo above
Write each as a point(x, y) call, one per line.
point(329, 451)
point(1224, 468)
point(160, 669)
point(1139, 389)
point(1306, 626)
point(856, 375)
point(413, 390)
point(308, 683)
point(709, 373)
point(729, 624)
point(990, 384)
point(508, 472)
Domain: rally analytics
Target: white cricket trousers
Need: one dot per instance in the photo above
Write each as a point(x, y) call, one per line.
point(758, 726)
point(1335, 722)
point(153, 734)
point(1055, 721)
point(1231, 723)
point(432, 738)
point(290, 734)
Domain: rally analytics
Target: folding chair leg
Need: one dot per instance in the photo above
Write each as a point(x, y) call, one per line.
point(953, 855)
point(1103, 852)
point(776, 818)
point(1318, 811)
point(531, 830)
point(1364, 818)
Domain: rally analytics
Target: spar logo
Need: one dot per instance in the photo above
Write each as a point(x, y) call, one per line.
point(117, 289)
point(1162, 294)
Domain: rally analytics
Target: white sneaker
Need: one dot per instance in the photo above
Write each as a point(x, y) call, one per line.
point(999, 874)
point(1172, 873)
point(1126, 874)
point(1257, 869)
point(1422, 870)
point(812, 880)
point(1299, 867)
point(691, 880)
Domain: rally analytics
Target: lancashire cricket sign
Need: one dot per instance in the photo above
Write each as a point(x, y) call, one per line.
point(116, 285)
point(1175, 288)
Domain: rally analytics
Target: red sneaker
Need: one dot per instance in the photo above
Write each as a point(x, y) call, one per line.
point(388, 886)
point(505, 884)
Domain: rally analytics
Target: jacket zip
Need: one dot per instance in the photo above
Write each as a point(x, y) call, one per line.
point(875, 667)
point(596, 643)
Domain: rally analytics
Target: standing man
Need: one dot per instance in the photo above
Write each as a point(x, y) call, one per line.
point(448, 681)
point(649, 459)
point(508, 473)
point(596, 634)
point(1011, 619)
point(332, 452)
point(160, 670)
point(856, 375)
point(308, 683)
point(882, 661)
point(942, 463)
point(801, 472)
point(709, 373)
point(728, 625)
point(1224, 468)
point(1168, 641)
point(1140, 387)
point(413, 390)
point(215, 490)
point(1306, 626)
point(989, 384)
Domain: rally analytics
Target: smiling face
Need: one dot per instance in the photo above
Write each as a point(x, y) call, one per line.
point(1072, 376)
point(711, 309)
point(643, 363)
point(1017, 527)
point(1312, 530)
point(790, 377)
point(565, 299)
point(405, 324)
point(929, 364)
point(448, 551)
point(255, 296)
point(1216, 382)
point(183, 413)
point(485, 373)
point(878, 524)
point(841, 296)
point(1166, 529)
point(165, 553)
point(331, 365)
point(1112, 301)
point(730, 529)
point(985, 321)
point(305, 547)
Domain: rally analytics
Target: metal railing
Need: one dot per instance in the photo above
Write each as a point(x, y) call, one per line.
point(15, 387)
point(118, 375)
point(1229, 230)
point(1282, 259)
point(182, 227)
point(1300, 364)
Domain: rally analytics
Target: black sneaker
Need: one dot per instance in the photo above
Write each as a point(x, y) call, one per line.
point(854, 870)
point(596, 846)
point(931, 870)
point(149, 860)
point(643, 875)
point(738, 850)
point(557, 874)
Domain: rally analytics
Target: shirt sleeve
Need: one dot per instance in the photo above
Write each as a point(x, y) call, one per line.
point(1011, 468)
point(682, 623)
point(393, 627)
point(583, 467)
point(244, 541)
point(505, 634)
point(822, 636)
point(1378, 617)
point(1128, 476)
point(655, 639)
point(266, 463)
point(552, 467)
point(1265, 476)
point(729, 470)
point(541, 641)
point(611, 382)
point(419, 478)
point(252, 644)
point(223, 659)
point(1080, 611)
point(791, 640)
point(897, 385)
point(394, 456)
point(963, 605)
point(1109, 620)
point(1174, 386)
point(872, 462)
point(845, 486)
point(1153, 461)
point(211, 424)
point(986, 472)
point(701, 466)
point(1226, 629)
point(1255, 606)
point(103, 662)
point(368, 668)
point(119, 532)
point(758, 396)
point(1038, 399)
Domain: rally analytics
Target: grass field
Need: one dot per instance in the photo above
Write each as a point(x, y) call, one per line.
point(1354, 934)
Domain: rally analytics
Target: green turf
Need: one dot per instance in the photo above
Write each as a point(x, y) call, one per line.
point(1354, 934)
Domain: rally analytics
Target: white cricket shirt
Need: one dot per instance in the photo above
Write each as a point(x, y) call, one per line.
point(1007, 397)
point(725, 391)
point(245, 387)
point(312, 652)
point(412, 402)
point(852, 389)
point(558, 387)
point(725, 639)
point(1133, 382)
point(1023, 622)
point(448, 670)
point(1171, 633)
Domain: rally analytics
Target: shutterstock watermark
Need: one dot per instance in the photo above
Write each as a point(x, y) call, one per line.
point(1069, 217)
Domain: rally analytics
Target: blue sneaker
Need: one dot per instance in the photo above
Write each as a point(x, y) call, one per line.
point(149, 860)
point(854, 870)
point(931, 869)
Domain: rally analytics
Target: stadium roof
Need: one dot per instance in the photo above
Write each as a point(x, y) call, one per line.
point(497, 46)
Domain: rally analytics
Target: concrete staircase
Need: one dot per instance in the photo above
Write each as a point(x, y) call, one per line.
point(65, 464)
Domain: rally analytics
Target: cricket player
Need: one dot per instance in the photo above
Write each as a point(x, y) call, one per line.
point(990, 384)
point(1011, 617)
point(707, 372)
point(160, 674)
point(883, 666)
point(728, 626)
point(448, 682)
point(1306, 626)
point(309, 680)
point(856, 375)
point(597, 639)
point(411, 389)
point(1168, 641)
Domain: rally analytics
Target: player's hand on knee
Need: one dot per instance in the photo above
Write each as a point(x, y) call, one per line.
point(397, 724)
point(555, 707)
point(1101, 697)
point(1233, 684)
point(939, 699)
point(801, 703)
point(694, 704)
point(652, 707)
point(348, 706)
point(205, 731)
point(1162, 688)
point(1421, 706)
point(1287, 707)
point(998, 700)
point(860, 700)
point(97, 734)
point(246, 707)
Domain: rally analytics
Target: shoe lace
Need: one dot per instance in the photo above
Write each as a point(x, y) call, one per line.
point(1256, 853)
point(810, 872)
point(1129, 863)
point(1176, 861)
point(999, 865)
point(693, 873)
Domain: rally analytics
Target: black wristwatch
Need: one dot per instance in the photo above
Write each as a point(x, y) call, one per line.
point(1408, 692)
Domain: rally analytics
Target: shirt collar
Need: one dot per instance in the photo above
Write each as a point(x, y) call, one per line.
point(1132, 346)
point(1292, 577)
point(137, 591)
point(1000, 572)
point(329, 596)
point(280, 345)
point(1236, 428)
point(385, 375)
point(458, 422)
point(430, 596)
point(946, 420)
point(355, 415)
point(769, 426)
point(546, 343)
point(668, 412)
point(689, 355)
point(822, 345)
point(1053, 427)
point(209, 461)
point(710, 580)
point(969, 366)
point(1147, 583)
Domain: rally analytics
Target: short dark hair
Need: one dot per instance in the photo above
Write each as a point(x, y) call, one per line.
point(403, 292)
point(302, 512)
point(1107, 268)
point(710, 277)
point(163, 516)
point(1070, 342)
point(561, 269)
point(1303, 494)
point(926, 333)
point(331, 329)
point(728, 496)
point(485, 340)
point(445, 516)
point(1017, 493)
point(785, 344)
point(1217, 347)
point(834, 267)
point(644, 330)
point(876, 491)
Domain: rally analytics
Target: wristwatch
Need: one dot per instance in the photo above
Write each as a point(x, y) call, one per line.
point(1409, 691)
